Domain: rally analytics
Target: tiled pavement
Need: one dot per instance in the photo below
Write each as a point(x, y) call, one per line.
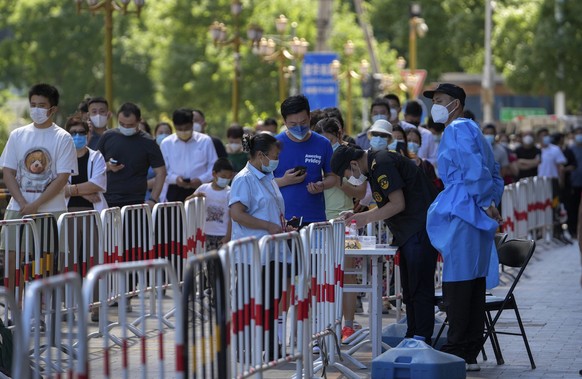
point(550, 303)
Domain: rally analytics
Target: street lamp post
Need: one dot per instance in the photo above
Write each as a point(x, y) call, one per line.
point(218, 32)
point(349, 75)
point(275, 48)
point(108, 7)
point(417, 26)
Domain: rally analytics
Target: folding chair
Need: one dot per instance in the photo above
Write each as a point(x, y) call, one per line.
point(517, 254)
point(500, 239)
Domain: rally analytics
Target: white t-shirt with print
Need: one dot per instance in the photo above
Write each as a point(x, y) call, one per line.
point(216, 209)
point(38, 156)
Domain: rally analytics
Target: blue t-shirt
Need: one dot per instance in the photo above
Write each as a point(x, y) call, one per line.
point(315, 154)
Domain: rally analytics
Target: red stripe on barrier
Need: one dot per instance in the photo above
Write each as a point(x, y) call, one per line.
point(140, 253)
point(124, 361)
point(258, 316)
point(143, 350)
point(292, 292)
point(184, 251)
point(16, 279)
point(106, 362)
point(520, 216)
point(265, 321)
point(161, 345)
point(283, 301)
point(397, 258)
point(248, 314)
point(330, 293)
point(75, 267)
point(340, 278)
point(180, 357)
point(508, 224)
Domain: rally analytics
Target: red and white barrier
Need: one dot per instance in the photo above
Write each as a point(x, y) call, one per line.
point(145, 330)
point(205, 319)
point(246, 306)
point(24, 265)
point(526, 209)
point(54, 339)
point(169, 220)
point(325, 253)
point(12, 320)
point(289, 317)
point(80, 241)
point(196, 217)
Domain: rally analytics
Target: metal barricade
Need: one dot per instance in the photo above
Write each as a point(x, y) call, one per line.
point(111, 227)
point(548, 212)
point(48, 238)
point(138, 233)
point(531, 207)
point(246, 306)
point(205, 319)
point(507, 210)
point(321, 257)
point(284, 291)
point(520, 209)
point(54, 339)
point(170, 241)
point(138, 343)
point(81, 241)
point(196, 218)
point(22, 255)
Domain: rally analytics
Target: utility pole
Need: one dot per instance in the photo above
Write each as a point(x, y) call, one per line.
point(324, 15)
point(560, 96)
point(488, 82)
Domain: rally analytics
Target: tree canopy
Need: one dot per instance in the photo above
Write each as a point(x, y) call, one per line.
point(166, 59)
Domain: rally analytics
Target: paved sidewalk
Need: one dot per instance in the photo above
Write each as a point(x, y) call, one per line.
point(550, 303)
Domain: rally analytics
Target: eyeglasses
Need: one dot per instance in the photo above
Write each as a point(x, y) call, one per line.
point(78, 133)
point(377, 134)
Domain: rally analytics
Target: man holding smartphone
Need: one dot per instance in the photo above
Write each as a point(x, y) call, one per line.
point(304, 169)
point(189, 157)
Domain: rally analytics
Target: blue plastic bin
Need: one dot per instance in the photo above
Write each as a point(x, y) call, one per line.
point(414, 359)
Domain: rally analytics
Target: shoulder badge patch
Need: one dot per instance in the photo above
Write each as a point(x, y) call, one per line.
point(377, 197)
point(383, 182)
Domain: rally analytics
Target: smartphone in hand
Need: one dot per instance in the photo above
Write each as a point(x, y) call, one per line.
point(113, 161)
point(300, 170)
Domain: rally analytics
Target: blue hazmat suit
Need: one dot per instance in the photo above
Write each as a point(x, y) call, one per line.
point(458, 226)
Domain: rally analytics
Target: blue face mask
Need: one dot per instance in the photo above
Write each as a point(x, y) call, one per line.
point(578, 138)
point(337, 144)
point(379, 117)
point(299, 131)
point(413, 147)
point(272, 166)
point(378, 143)
point(393, 145)
point(161, 137)
point(547, 140)
point(80, 141)
point(490, 138)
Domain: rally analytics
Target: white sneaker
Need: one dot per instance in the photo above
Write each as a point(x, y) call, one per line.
point(472, 367)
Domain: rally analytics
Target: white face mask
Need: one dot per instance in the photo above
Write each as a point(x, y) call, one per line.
point(39, 115)
point(197, 127)
point(393, 114)
point(127, 131)
point(99, 121)
point(528, 140)
point(234, 146)
point(440, 113)
point(356, 181)
point(222, 182)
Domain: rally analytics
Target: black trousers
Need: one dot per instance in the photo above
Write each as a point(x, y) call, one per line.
point(176, 193)
point(464, 303)
point(417, 265)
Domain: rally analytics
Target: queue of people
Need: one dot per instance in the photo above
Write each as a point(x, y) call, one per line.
point(436, 186)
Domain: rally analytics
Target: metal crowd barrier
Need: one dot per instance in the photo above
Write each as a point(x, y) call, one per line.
point(22, 255)
point(526, 209)
point(196, 217)
point(323, 262)
point(144, 327)
point(48, 238)
point(205, 321)
point(246, 306)
point(170, 241)
point(54, 339)
point(81, 241)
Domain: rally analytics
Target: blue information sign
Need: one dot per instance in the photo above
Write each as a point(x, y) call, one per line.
point(317, 81)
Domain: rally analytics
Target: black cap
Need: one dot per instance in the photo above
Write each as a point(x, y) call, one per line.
point(341, 158)
point(452, 90)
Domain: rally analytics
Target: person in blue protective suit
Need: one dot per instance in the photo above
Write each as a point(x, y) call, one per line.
point(462, 222)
